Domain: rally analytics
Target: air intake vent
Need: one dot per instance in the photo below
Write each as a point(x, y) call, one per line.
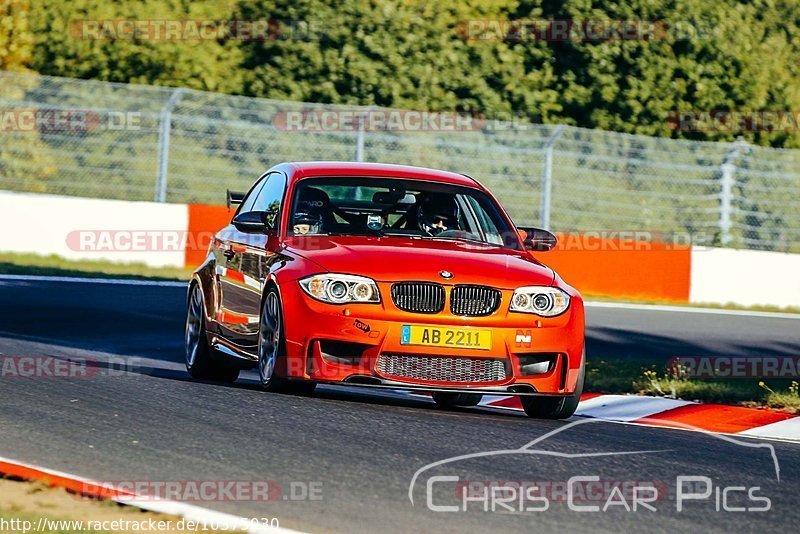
point(474, 300)
point(441, 368)
point(418, 297)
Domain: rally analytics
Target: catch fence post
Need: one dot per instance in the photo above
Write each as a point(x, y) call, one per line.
point(727, 181)
point(360, 140)
point(547, 178)
point(164, 130)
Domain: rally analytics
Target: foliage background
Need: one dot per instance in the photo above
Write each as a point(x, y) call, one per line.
point(409, 54)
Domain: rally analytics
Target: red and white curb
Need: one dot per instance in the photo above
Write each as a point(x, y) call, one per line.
point(673, 413)
point(206, 519)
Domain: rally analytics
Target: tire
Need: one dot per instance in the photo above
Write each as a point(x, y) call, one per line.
point(559, 407)
point(449, 400)
point(201, 360)
point(272, 349)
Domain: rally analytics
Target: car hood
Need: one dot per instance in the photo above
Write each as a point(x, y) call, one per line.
point(391, 259)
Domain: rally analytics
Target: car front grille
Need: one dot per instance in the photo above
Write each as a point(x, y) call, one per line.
point(474, 300)
point(441, 368)
point(419, 297)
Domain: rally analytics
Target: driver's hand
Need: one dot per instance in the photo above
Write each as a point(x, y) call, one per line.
point(440, 226)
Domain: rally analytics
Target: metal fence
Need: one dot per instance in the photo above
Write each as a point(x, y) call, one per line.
point(189, 146)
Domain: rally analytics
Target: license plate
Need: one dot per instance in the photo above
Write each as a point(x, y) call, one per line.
point(437, 336)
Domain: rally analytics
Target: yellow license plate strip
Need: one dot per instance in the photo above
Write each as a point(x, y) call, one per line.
point(451, 337)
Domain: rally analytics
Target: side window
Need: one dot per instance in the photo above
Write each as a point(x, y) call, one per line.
point(269, 198)
point(247, 204)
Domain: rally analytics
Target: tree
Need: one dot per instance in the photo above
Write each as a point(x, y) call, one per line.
point(16, 38)
point(67, 45)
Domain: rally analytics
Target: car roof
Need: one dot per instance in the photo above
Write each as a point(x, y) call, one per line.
point(298, 170)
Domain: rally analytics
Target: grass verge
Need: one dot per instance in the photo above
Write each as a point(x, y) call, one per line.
point(32, 264)
point(649, 377)
point(35, 507)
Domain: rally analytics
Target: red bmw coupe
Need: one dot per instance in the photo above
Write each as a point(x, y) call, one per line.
point(385, 276)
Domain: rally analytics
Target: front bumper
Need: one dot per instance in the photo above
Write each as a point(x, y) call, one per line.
point(343, 344)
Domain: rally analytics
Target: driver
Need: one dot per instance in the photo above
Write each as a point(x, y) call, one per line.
point(312, 208)
point(437, 213)
point(306, 223)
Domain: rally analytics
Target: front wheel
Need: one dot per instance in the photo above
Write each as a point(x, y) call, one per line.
point(559, 407)
point(272, 349)
point(201, 360)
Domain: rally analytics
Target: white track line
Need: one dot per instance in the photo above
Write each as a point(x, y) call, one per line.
point(72, 279)
point(788, 429)
point(635, 410)
point(626, 408)
point(690, 309)
point(202, 516)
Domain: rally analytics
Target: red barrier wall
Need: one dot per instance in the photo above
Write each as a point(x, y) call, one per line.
point(654, 271)
point(204, 222)
point(603, 267)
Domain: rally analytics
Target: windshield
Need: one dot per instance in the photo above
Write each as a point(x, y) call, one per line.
point(394, 206)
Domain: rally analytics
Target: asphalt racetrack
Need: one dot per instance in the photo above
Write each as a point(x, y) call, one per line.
point(344, 459)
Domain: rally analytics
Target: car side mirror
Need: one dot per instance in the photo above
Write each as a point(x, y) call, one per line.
point(254, 221)
point(537, 239)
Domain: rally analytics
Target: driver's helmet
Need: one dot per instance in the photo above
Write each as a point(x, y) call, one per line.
point(436, 213)
point(311, 208)
point(307, 223)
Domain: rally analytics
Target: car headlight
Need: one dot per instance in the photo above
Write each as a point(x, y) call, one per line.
point(341, 288)
point(544, 301)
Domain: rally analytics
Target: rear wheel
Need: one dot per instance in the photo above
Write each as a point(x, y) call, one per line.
point(272, 349)
point(449, 400)
point(201, 360)
point(559, 407)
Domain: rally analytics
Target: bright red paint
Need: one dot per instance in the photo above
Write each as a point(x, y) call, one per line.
point(233, 290)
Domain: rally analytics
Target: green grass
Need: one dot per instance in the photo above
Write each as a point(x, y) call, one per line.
point(788, 400)
point(648, 377)
point(32, 264)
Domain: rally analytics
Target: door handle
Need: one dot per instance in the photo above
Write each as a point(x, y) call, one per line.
point(229, 253)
